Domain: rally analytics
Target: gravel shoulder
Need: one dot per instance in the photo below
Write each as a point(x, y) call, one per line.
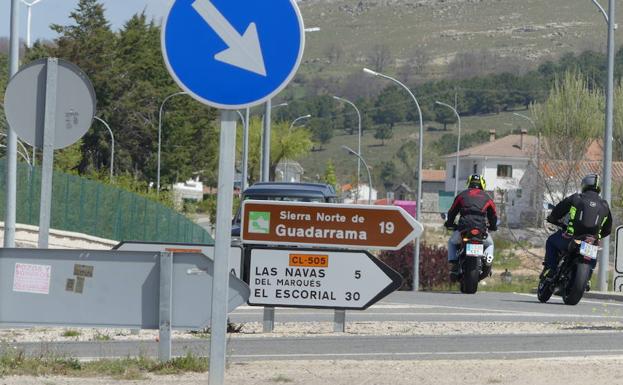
point(594, 370)
point(311, 329)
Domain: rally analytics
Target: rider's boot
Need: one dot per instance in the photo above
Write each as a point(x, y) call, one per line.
point(454, 271)
point(547, 274)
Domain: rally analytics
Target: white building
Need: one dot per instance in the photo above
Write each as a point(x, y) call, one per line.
point(350, 194)
point(502, 162)
point(289, 171)
point(189, 190)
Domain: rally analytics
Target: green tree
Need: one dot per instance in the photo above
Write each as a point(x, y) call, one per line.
point(569, 121)
point(322, 132)
point(390, 107)
point(388, 174)
point(383, 132)
point(288, 144)
point(445, 116)
point(330, 177)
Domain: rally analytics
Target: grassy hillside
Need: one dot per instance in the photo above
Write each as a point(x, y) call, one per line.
point(374, 153)
point(519, 34)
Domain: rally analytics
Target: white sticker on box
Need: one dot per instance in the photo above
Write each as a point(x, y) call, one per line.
point(32, 278)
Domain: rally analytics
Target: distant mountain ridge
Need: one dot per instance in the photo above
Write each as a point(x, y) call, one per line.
point(517, 34)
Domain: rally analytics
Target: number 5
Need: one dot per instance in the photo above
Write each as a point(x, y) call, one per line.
point(357, 274)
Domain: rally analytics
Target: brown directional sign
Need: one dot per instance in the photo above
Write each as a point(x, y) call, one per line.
point(327, 225)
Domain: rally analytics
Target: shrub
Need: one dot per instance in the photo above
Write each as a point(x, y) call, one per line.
point(434, 269)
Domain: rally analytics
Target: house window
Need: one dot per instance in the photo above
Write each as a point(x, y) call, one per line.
point(505, 171)
point(454, 171)
point(475, 168)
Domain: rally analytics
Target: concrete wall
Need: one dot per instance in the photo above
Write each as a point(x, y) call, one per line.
point(27, 236)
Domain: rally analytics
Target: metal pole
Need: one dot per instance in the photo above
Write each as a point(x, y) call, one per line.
point(160, 135)
point(166, 306)
point(28, 24)
point(458, 147)
point(358, 141)
point(11, 173)
point(112, 151)
point(269, 312)
point(416, 257)
point(350, 150)
point(47, 166)
point(245, 151)
point(607, 184)
point(266, 143)
point(220, 283)
point(287, 161)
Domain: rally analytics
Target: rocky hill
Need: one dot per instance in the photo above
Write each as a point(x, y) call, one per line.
point(435, 38)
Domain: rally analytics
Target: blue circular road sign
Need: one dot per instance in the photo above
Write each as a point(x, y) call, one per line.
point(233, 54)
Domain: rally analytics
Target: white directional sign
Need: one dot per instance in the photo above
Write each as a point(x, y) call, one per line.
point(318, 278)
point(235, 253)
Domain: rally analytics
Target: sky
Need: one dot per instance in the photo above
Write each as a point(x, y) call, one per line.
point(57, 12)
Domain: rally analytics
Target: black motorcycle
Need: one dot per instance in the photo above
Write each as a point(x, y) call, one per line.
point(474, 265)
point(573, 273)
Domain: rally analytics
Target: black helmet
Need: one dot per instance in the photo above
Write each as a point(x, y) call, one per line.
point(476, 181)
point(591, 182)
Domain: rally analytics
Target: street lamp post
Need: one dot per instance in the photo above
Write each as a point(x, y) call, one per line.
point(11, 165)
point(358, 140)
point(609, 17)
point(112, 146)
point(458, 147)
point(265, 139)
point(160, 134)
point(538, 208)
point(29, 45)
point(350, 150)
point(29, 20)
point(245, 149)
point(298, 119)
point(416, 257)
point(287, 161)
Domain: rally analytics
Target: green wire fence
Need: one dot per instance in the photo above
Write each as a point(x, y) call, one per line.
point(94, 208)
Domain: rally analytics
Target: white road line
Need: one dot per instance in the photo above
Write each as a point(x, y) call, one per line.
point(559, 300)
point(364, 315)
point(417, 354)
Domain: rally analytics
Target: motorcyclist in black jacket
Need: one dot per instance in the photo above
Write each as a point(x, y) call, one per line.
point(477, 211)
point(588, 213)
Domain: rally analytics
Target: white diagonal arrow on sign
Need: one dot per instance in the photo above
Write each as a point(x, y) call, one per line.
point(244, 50)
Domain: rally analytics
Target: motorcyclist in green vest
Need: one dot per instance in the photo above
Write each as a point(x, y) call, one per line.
point(588, 214)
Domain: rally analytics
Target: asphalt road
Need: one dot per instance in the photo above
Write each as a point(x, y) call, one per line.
point(361, 348)
point(454, 307)
point(400, 307)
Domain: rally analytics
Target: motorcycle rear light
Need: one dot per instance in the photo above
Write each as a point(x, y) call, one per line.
point(475, 231)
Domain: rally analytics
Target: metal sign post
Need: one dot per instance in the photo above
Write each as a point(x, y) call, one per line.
point(218, 338)
point(47, 167)
point(230, 55)
point(166, 296)
point(42, 119)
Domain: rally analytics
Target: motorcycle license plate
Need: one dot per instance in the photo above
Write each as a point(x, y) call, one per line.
point(589, 250)
point(474, 250)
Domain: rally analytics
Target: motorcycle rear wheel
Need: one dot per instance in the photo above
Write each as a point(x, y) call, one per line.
point(471, 275)
point(577, 284)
